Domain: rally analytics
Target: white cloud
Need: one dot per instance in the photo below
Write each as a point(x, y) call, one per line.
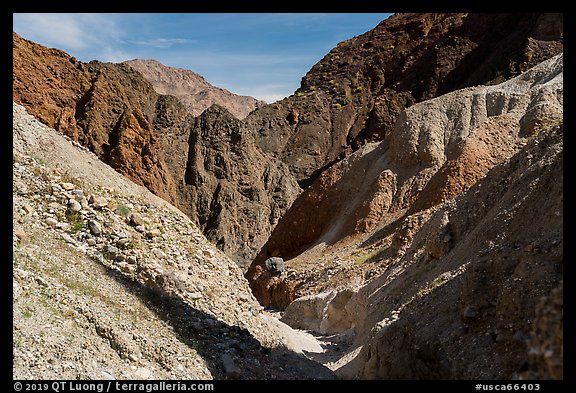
point(59, 30)
point(92, 34)
point(163, 42)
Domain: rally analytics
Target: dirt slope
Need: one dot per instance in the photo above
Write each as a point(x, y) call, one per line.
point(476, 309)
point(437, 149)
point(112, 282)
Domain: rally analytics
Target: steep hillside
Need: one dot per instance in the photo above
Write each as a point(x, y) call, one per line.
point(488, 305)
point(350, 97)
point(192, 90)
point(104, 107)
point(437, 149)
point(236, 192)
point(153, 140)
point(112, 282)
point(354, 94)
point(465, 285)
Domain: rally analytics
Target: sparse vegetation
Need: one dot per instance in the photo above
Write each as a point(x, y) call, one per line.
point(437, 282)
point(27, 312)
point(123, 210)
point(75, 219)
point(367, 255)
point(39, 160)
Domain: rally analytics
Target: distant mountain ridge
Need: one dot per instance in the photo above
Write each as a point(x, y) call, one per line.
point(192, 89)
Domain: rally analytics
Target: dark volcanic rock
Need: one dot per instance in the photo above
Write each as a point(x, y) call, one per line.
point(239, 193)
point(355, 92)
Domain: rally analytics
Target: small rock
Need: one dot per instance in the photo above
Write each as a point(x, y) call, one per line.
point(64, 226)
point(142, 373)
point(122, 242)
point(51, 221)
point(91, 242)
point(132, 357)
point(153, 233)
point(275, 265)
point(111, 251)
point(122, 234)
point(136, 219)
point(84, 202)
point(126, 268)
point(74, 206)
point(158, 269)
point(132, 259)
point(231, 370)
point(158, 253)
point(29, 209)
point(209, 253)
point(79, 193)
point(120, 257)
point(67, 238)
point(20, 234)
point(194, 295)
point(470, 312)
point(94, 227)
point(140, 228)
point(67, 186)
point(98, 202)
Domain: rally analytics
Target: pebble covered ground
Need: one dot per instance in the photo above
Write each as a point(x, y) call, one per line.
point(110, 282)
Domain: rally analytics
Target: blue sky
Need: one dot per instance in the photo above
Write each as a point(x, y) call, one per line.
point(261, 55)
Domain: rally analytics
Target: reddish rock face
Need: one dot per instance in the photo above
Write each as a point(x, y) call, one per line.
point(49, 88)
point(91, 104)
point(210, 167)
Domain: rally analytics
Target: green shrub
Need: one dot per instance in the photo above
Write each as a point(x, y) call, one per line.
point(75, 219)
point(123, 210)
